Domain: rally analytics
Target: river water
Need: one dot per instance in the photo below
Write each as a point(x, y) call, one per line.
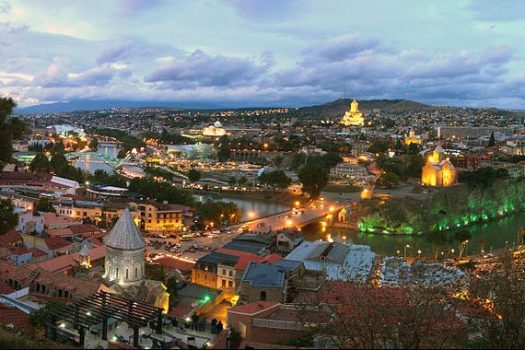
point(488, 235)
point(258, 208)
point(91, 164)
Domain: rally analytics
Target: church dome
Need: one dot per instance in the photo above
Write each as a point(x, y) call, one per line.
point(217, 124)
point(125, 234)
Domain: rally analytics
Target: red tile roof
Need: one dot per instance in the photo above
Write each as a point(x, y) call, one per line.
point(10, 237)
point(11, 315)
point(5, 288)
point(84, 228)
point(54, 243)
point(37, 252)
point(174, 263)
point(245, 258)
point(253, 308)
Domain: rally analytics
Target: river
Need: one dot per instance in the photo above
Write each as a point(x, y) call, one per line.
point(257, 207)
point(488, 235)
point(109, 150)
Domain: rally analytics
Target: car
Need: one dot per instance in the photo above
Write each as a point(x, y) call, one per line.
point(216, 232)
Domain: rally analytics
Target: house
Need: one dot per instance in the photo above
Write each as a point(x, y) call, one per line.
point(263, 281)
point(289, 240)
point(29, 222)
point(266, 322)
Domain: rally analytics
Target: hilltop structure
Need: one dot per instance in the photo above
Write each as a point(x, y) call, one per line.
point(353, 117)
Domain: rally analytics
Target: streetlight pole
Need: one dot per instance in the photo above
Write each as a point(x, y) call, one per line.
point(405, 250)
point(419, 253)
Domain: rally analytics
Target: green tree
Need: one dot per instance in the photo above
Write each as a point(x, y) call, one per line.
point(314, 178)
point(462, 237)
point(492, 140)
point(6, 136)
point(59, 164)
point(18, 128)
point(40, 163)
point(298, 161)
point(8, 219)
point(45, 205)
point(194, 175)
point(388, 180)
point(243, 180)
point(93, 145)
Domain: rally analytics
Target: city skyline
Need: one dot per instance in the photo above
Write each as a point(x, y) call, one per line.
point(263, 53)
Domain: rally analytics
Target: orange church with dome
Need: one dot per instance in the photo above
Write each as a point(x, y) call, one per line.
point(438, 171)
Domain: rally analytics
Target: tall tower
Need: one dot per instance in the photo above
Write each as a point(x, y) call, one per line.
point(125, 248)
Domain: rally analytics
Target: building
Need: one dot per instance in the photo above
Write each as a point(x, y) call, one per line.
point(353, 117)
point(412, 138)
point(214, 131)
point(288, 240)
point(267, 322)
point(263, 281)
point(460, 132)
point(125, 249)
point(438, 171)
point(163, 216)
point(337, 260)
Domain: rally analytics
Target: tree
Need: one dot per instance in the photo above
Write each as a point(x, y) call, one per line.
point(93, 145)
point(298, 161)
point(388, 180)
point(6, 136)
point(40, 163)
point(45, 205)
point(59, 164)
point(462, 237)
point(194, 175)
point(242, 180)
point(314, 178)
point(8, 219)
point(18, 128)
point(492, 140)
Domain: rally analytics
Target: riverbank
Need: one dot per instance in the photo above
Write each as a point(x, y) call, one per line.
point(278, 197)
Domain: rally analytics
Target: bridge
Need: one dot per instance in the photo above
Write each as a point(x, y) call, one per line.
point(286, 219)
point(93, 157)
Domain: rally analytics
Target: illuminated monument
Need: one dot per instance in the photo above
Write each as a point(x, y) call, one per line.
point(353, 117)
point(437, 170)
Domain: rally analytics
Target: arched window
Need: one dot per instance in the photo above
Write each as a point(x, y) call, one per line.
point(127, 273)
point(116, 273)
point(136, 272)
point(263, 295)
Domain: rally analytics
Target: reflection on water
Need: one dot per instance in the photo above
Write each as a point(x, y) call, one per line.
point(90, 164)
point(257, 207)
point(486, 236)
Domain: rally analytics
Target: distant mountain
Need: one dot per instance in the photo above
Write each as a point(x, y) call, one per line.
point(89, 105)
point(338, 107)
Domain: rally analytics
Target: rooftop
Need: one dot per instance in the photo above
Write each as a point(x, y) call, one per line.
point(125, 234)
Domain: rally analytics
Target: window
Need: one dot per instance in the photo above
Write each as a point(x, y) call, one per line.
point(127, 273)
point(224, 272)
point(136, 272)
point(223, 283)
point(230, 284)
point(116, 273)
point(263, 296)
point(231, 273)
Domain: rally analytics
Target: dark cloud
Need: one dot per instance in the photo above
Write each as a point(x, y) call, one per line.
point(201, 69)
point(342, 47)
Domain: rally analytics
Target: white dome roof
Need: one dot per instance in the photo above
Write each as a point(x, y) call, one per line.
point(217, 124)
point(125, 234)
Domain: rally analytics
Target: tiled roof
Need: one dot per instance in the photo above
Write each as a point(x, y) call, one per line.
point(125, 234)
point(11, 315)
point(37, 252)
point(10, 237)
point(54, 243)
point(253, 308)
point(174, 263)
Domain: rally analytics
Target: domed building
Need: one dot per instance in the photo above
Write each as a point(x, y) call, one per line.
point(125, 249)
point(215, 130)
point(353, 117)
point(438, 170)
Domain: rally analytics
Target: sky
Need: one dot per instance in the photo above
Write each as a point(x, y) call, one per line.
point(264, 52)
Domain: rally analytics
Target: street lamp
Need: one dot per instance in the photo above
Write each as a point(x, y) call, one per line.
point(405, 250)
point(297, 203)
point(452, 251)
point(419, 253)
point(251, 214)
point(398, 252)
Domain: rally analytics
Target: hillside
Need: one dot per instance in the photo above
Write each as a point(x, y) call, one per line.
point(338, 107)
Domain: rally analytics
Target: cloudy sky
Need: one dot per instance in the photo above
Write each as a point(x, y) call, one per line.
point(264, 52)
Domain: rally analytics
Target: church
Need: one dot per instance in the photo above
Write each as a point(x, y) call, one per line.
point(125, 265)
point(353, 117)
point(438, 171)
